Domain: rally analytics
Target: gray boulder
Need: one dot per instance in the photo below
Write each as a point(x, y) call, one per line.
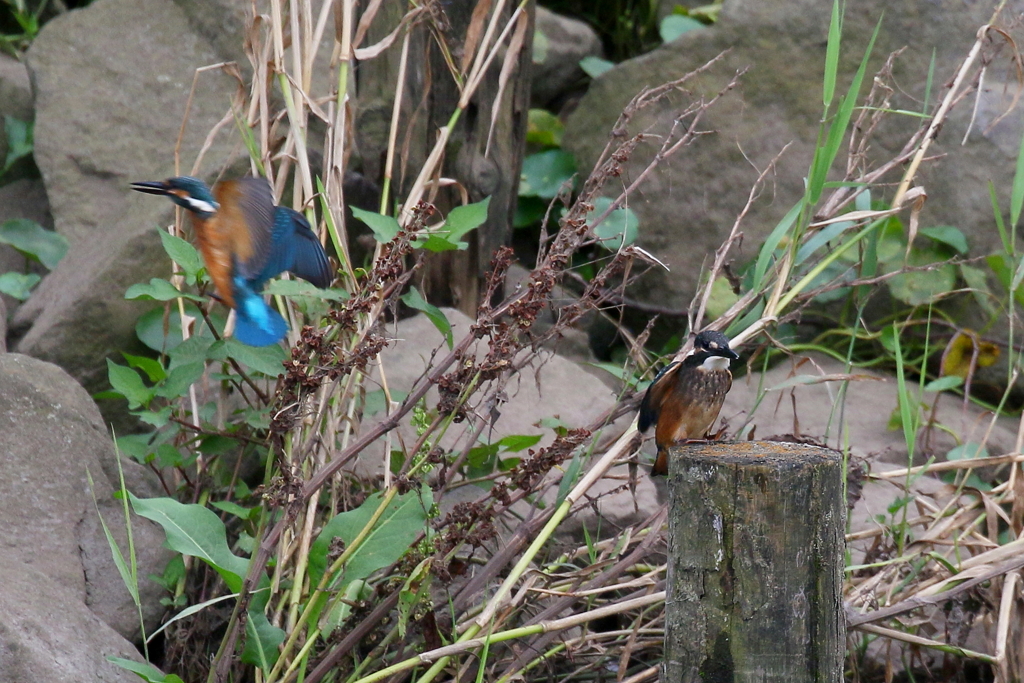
point(109, 105)
point(691, 202)
point(558, 46)
point(48, 634)
point(53, 440)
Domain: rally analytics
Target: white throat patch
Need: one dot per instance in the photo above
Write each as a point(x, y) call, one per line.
point(201, 206)
point(715, 363)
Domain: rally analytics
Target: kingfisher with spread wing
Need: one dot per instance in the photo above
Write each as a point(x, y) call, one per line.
point(245, 240)
point(685, 398)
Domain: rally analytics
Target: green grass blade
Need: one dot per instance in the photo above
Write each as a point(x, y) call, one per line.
point(837, 131)
point(1017, 193)
point(928, 84)
point(764, 259)
point(835, 31)
point(1000, 225)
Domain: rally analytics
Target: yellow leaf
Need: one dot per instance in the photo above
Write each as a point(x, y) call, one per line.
point(966, 346)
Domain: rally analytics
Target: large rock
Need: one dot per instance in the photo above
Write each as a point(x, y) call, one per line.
point(560, 44)
point(48, 634)
point(691, 202)
point(112, 84)
point(53, 440)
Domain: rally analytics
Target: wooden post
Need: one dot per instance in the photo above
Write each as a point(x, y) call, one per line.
point(756, 539)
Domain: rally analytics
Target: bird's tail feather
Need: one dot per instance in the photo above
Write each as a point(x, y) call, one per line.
point(257, 324)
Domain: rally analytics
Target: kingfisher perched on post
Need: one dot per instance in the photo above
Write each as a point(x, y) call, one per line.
point(685, 398)
point(245, 240)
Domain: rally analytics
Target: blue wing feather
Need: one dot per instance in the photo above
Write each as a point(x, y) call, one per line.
point(256, 323)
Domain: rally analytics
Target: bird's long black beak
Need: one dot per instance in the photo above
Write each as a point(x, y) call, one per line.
point(725, 353)
point(150, 187)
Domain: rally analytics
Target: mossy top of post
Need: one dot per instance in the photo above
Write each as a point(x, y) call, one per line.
point(780, 454)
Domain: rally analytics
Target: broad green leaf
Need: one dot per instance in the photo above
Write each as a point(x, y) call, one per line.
point(385, 228)
point(261, 641)
point(396, 529)
point(158, 289)
point(18, 285)
point(540, 47)
point(544, 129)
point(150, 366)
point(675, 25)
point(180, 379)
point(373, 403)
point(19, 140)
point(595, 66)
point(128, 383)
point(414, 300)
point(192, 350)
point(149, 328)
point(342, 609)
point(545, 173)
point(184, 254)
point(233, 509)
point(621, 227)
point(967, 451)
point(923, 286)
point(948, 235)
point(196, 531)
point(265, 359)
point(944, 383)
point(144, 670)
point(722, 298)
point(820, 239)
point(462, 219)
point(514, 443)
point(290, 288)
point(34, 241)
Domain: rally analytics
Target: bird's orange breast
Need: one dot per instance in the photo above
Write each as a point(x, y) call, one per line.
point(215, 244)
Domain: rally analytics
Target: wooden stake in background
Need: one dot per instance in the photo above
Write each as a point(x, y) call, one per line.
point(755, 564)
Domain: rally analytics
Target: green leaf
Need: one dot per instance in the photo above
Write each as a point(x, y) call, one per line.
point(414, 300)
point(290, 288)
point(462, 219)
point(128, 383)
point(18, 285)
point(944, 383)
point(675, 25)
point(835, 32)
point(1017, 191)
point(968, 451)
point(514, 443)
point(544, 173)
point(265, 359)
point(196, 531)
point(184, 254)
point(385, 228)
point(621, 227)
point(144, 670)
point(34, 241)
point(767, 252)
point(396, 529)
point(948, 235)
point(924, 286)
point(233, 509)
point(261, 641)
point(150, 366)
point(595, 66)
point(158, 289)
point(544, 129)
point(192, 350)
point(149, 328)
point(180, 379)
point(19, 140)
point(824, 156)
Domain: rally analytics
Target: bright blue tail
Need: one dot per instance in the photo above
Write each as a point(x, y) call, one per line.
point(256, 323)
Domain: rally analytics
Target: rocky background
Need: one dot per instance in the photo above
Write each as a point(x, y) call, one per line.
point(108, 86)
